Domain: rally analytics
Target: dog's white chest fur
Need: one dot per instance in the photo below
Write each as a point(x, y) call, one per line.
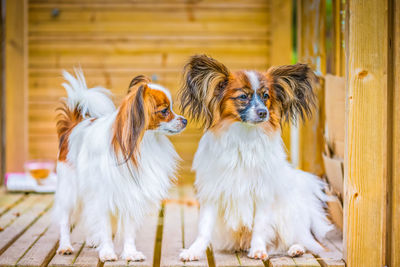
point(237, 169)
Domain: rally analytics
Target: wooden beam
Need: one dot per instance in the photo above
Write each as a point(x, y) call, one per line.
point(16, 119)
point(338, 37)
point(311, 50)
point(395, 185)
point(368, 135)
point(281, 49)
point(2, 167)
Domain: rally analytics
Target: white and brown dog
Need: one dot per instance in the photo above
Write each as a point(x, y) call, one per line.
point(250, 197)
point(113, 164)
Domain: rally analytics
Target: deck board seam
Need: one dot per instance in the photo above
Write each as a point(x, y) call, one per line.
point(18, 235)
point(9, 207)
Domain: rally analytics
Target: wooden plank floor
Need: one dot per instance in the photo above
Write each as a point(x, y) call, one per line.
point(28, 238)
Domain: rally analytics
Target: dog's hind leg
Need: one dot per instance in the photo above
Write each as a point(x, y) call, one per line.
point(65, 200)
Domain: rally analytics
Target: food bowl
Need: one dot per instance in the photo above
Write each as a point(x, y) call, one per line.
point(39, 169)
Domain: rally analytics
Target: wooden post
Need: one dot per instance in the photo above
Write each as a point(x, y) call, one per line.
point(338, 38)
point(395, 185)
point(16, 119)
point(372, 138)
point(2, 167)
point(311, 50)
point(280, 52)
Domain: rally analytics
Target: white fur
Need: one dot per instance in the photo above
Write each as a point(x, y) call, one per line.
point(254, 81)
point(250, 196)
point(94, 187)
point(92, 103)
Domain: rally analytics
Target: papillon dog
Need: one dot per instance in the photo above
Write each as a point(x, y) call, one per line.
point(251, 198)
point(114, 165)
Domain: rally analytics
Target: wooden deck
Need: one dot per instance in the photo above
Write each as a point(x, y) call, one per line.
point(27, 238)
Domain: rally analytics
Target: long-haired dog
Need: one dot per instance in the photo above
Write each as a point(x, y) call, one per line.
point(250, 197)
point(113, 164)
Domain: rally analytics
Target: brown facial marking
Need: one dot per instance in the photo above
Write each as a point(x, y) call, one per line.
point(142, 109)
point(231, 103)
point(162, 108)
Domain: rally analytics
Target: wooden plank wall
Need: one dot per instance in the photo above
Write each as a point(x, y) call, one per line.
point(16, 114)
point(280, 51)
point(373, 149)
point(395, 184)
point(311, 49)
point(2, 94)
point(115, 40)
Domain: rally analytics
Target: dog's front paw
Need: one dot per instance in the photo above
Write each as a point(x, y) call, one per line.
point(65, 250)
point(296, 250)
point(258, 253)
point(133, 256)
point(189, 255)
point(107, 254)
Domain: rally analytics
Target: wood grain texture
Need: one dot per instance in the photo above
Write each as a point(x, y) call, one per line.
point(366, 159)
point(7, 201)
point(280, 261)
point(20, 207)
point(311, 50)
point(16, 78)
point(41, 253)
point(338, 13)
point(395, 186)
point(24, 220)
point(2, 97)
point(307, 260)
point(22, 245)
point(280, 52)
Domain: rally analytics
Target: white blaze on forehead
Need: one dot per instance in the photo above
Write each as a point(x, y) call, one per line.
point(162, 89)
point(254, 81)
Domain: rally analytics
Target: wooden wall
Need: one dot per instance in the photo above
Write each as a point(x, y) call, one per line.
point(311, 49)
point(16, 90)
point(115, 40)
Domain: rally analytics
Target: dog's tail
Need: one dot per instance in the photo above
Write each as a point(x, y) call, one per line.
point(93, 103)
point(81, 103)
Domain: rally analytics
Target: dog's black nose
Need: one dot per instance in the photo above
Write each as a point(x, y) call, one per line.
point(262, 113)
point(184, 121)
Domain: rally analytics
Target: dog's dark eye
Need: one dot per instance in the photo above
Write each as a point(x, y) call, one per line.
point(265, 96)
point(165, 112)
point(243, 96)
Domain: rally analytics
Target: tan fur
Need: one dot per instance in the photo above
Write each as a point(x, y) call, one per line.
point(66, 121)
point(140, 111)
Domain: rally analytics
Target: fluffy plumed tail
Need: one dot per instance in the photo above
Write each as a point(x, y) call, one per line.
point(81, 103)
point(92, 103)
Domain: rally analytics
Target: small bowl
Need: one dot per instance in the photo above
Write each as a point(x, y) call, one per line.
point(39, 169)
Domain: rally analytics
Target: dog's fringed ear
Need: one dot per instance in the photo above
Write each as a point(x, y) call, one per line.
point(294, 87)
point(138, 80)
point(204, 81)
point(130, 124)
